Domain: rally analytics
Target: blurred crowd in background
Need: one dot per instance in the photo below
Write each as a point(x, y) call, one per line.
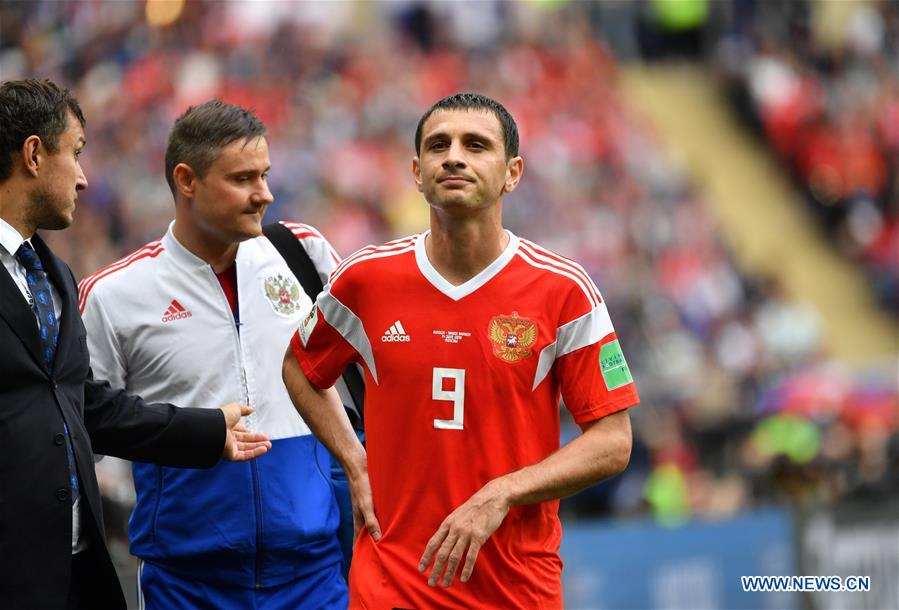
point(831, 114)
point(740, 405)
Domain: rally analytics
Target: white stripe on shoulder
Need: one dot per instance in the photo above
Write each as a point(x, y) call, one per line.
point(563, 262)
point(352, 257)
point(371, 255)
point(303, 231)
point(349, 326)
point(399, 241)
point(372, 248)
point(591, 327)
point(529, 258)
point(299, 228)
point(93, 277)
point(557, 260)
point(87, 284)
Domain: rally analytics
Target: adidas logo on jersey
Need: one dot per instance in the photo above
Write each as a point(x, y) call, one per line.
point(175, 311)
point(395, 334)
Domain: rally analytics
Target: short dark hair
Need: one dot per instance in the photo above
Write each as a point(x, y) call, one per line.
point(32, 108)
point(475, 101)
point(202, 131)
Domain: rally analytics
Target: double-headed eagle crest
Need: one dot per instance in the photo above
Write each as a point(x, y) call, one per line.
point(283, 293)
point(512, 336)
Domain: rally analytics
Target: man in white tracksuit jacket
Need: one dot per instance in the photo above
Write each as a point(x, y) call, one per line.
point(203, 317)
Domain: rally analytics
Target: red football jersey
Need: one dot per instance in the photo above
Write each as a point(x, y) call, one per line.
point(463, 385)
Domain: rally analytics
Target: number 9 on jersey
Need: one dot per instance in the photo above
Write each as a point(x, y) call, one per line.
point(456, 395)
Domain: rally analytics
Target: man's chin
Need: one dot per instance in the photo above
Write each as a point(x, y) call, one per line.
point(249, 231)
point(461, 205)
point(57, 223)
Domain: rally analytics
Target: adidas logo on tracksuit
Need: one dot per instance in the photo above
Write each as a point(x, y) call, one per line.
point(395, 334)
point(176, 311)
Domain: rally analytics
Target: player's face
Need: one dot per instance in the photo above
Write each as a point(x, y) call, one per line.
point(462, 166)
point(51, 204)
point(230, 200)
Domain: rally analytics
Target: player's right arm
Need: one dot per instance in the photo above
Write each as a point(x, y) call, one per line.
point(323, 412)
point(328, 339)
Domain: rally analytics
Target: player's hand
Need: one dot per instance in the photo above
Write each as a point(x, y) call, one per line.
point(363, 503)
point(464, 532)
point(241, 445)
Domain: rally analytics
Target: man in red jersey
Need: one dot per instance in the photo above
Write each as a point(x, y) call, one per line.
point(469, 336)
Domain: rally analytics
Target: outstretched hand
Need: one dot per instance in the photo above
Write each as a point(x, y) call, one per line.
point(463, 533)
point(241, 445)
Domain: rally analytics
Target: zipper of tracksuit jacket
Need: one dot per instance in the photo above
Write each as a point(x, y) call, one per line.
point(254, 468)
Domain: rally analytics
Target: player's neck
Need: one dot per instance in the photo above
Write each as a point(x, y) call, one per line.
point(461, 249)
point(219, 254)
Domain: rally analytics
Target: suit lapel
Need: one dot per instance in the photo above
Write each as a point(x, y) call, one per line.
point(20, 317)
point(59, 277)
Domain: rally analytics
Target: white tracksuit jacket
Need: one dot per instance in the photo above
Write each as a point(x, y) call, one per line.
point(160, 326)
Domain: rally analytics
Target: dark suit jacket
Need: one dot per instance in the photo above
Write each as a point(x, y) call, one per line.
point(35, 508)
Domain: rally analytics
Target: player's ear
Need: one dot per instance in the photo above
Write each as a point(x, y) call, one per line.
point(514, 170)
point(416, 172)
point(185, 179)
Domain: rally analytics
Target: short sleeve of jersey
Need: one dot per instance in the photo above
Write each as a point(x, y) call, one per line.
point(594, 376)
point(330, 337)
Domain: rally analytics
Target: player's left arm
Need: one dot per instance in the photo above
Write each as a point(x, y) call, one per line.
point(597, 388)
point(602, 451)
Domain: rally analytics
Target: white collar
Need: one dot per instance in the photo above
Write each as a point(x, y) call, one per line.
point(462, 290)
point(177, 250)
point(10, 238)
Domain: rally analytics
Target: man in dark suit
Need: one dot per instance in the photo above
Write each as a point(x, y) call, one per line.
point(53, 414)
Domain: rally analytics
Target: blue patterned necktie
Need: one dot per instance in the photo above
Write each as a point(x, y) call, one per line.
point(49, 329)
point(43, 302)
